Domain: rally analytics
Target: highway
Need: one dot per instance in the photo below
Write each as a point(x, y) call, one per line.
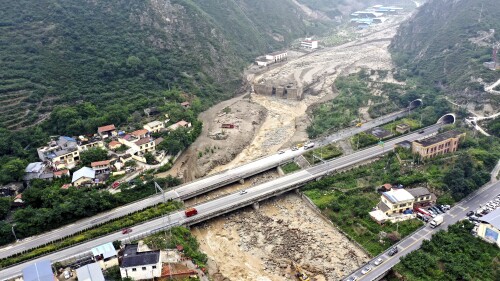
point(188, 190)
point(414, 241)
point(234, 201)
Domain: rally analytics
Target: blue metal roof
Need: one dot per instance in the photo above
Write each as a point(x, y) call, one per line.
point(106, 250)
point(69, 138)
point(39, 271)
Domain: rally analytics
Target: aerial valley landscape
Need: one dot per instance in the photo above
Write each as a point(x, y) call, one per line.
point(252, 140)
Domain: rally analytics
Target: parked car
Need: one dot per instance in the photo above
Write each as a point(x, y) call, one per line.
point(67, 274)
point(294, 148)
point(243, 192)
point(393, 251)
point(366, 269)
point(352, 278)
point(126, 230)
point(473, 218)
point(470, 213)
point(378, 262)
point(281, 152)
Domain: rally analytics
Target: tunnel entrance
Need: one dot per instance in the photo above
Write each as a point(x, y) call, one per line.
point(416, 103)
point(447, 119)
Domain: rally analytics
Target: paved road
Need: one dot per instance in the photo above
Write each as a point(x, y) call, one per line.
point(188, 190)
point(414, 241)
point(233, 201)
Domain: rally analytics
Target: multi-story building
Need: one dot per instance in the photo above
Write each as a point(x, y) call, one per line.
point(309, 44)
point(85, 143)
point(154, 127)
point(61, 153)
point(423, 196)
point(101, 167)
point(437, 145)
point(140, 265)
point(396, 201)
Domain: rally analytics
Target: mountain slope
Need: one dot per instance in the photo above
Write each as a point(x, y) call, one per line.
point(436, 44)
point(59, 52)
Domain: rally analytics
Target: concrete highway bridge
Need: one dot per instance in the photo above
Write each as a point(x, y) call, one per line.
point(230, 202)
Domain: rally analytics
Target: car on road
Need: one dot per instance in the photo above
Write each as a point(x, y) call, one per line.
point(294, 148)
point(470, 213)
point(393, 251)
point(366, 269)
point(352, 278)
point(243, 192)
point(378, 262)
point(421, 132)
point(126, 230)
point(281, 152)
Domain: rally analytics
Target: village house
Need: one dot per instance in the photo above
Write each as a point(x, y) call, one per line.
point(37, 170)
point(107, 131)
point(61, 173)
point(396, 201)
point(89, 272)
point(402, 128)
point(437, 145)
point(423, 197)
point(489, 227)
point(140, 133)
point(140, 265)
point(83, 176)
point(105, 255)
point(179, 124)
point(114, 145)
point(154, 126)
point(85, 143)
point(380, 133)
point(125, 158)
point(61, 153)
point(101, 167)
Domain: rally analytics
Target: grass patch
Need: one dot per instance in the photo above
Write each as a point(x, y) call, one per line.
point(325, 152)
point(129, 220)
point(290, 167)
point(178, 236)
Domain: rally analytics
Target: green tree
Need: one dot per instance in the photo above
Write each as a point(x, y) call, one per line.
point(150, 159)
point(92, 155)
point(4, 207)
point(13, 170)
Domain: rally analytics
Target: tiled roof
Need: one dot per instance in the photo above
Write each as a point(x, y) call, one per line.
point(419, 191)
point(139, 132)
point(106, 128)
point(142, 141)
point(99, 163)
point(158, 140)
point(61, 172)
point(114, 143)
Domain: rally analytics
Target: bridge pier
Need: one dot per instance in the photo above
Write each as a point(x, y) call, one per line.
point(242, 181)
point(280, 171)
point(256, 206)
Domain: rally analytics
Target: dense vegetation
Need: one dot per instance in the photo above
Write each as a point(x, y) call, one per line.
point(347, 198)
point(435, 44)
point(452, 255)
point(178, 236)
point(356, 90)
point(48, 206)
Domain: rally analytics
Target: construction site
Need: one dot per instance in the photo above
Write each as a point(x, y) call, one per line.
point(286, 238)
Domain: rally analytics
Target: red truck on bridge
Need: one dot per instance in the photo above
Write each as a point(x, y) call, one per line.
point(190, 212)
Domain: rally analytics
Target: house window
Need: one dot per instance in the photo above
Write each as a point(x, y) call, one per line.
point(143, 268)
point(134, 269)
point(154, 266)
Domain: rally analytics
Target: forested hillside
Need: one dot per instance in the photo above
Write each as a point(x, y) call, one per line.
point(447, 41)
point(105, 52)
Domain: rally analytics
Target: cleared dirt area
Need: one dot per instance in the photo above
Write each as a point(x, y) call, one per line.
point(261, 244)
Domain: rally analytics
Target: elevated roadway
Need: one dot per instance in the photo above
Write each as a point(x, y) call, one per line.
point(189, 190)
point(231, 202)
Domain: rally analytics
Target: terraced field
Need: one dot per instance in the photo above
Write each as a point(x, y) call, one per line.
point(19, 106)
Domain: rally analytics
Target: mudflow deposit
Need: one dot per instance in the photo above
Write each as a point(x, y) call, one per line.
point(261, 244)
